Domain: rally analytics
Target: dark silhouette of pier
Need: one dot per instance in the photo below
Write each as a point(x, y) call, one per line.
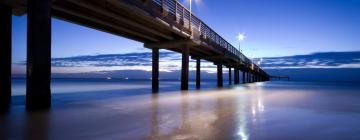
point(159, 24)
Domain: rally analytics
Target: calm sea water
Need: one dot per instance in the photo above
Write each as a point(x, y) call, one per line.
point(125, 109)
point(62, 86)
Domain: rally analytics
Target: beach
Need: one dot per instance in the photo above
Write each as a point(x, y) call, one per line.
point(270, 110)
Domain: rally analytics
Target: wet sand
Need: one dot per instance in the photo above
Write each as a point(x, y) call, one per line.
point(272, 110)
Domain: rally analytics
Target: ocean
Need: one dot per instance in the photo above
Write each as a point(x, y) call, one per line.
point(126, 110)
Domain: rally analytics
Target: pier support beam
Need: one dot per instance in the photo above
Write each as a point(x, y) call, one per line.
point(219, 75)
point(250, 77)
point(254, 77)
point(198, 73)
point(38, 93)
point(155, 70)
point(185, 68)
point(247, 77)
point(236, 76)
point(230, 80)
point(5, 57)
point(244, 77)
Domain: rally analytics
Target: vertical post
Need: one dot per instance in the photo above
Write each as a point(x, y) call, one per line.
point(250, 77)
point(185, 68)
point(155, 70)
point(244, 77)
point(176, 10)
point(235, 69)
point(198, 73)
point(38, 93)
point(236, 75)
point(219, 75)
point(255, 78)
point(190, 18)
point(182, 16)
point(230, 80)
point(5, 57)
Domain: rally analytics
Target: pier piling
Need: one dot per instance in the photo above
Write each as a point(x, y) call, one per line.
point(198, 73)
point(236, 76)
point(230, 80)
point(219, 75)
point(249, 77)
point(5, 57)
point(244, 77)
point(155, 70)
point(185, 68)
point(38, 93)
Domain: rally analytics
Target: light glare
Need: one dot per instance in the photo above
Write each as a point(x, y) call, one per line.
point(241, 37)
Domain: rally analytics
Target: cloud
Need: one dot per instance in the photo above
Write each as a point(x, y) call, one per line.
point(168, 62)
point(315, 60)
point(171, 62)
point(112, 60)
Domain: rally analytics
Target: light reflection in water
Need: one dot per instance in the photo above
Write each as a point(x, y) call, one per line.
point(256, 108)
point(242, 130)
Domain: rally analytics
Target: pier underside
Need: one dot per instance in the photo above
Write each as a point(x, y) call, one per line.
point(168, 26)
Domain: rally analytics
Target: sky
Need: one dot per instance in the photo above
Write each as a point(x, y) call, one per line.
point(274, 29)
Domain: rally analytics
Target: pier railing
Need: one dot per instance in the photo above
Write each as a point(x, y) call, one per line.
point(175, 14)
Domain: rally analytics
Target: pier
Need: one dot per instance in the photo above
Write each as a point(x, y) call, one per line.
point(159, 24)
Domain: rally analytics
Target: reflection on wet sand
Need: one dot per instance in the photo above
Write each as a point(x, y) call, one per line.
point(37, 125)
point(30, 126)
point(248, 112)
point(213, 120)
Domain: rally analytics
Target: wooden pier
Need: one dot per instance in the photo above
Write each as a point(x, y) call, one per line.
point(159, 24)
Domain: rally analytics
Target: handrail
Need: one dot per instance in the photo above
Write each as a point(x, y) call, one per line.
point(207, 32)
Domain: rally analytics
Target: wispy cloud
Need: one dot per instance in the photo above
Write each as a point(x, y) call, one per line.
point(171, 61)
point(315, 60)
point(111, 60)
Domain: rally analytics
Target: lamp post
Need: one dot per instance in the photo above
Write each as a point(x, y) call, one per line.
point(190, 18)
point(190, 6)
point(241, 37)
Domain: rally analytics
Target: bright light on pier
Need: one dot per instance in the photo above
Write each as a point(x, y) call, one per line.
point(241, 37)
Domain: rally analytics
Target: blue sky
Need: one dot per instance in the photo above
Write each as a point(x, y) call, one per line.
point(273, 28)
